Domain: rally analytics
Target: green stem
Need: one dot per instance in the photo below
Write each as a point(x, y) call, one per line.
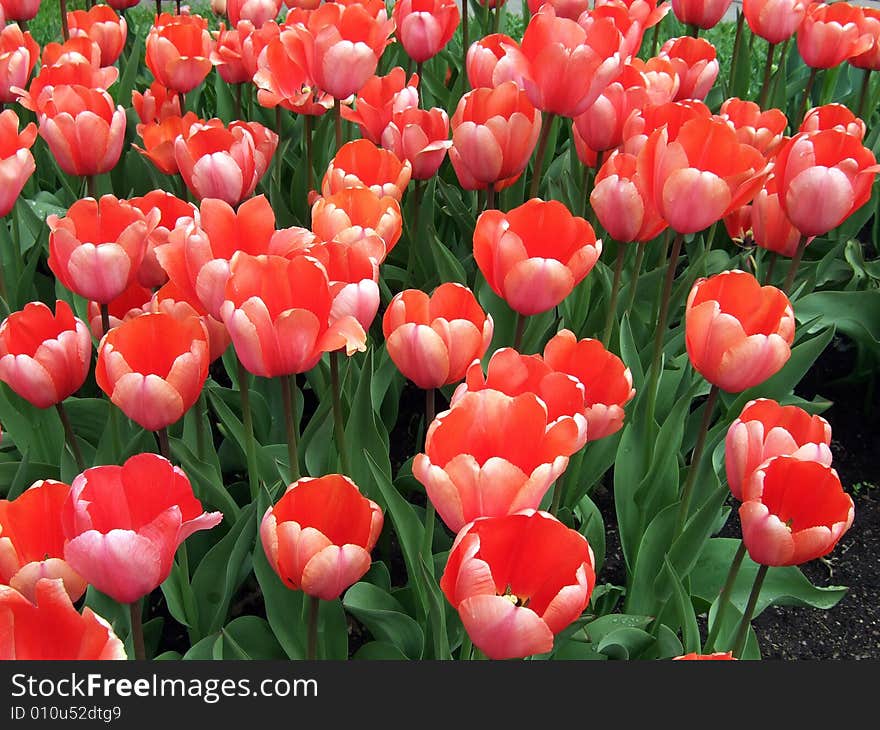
point(288, 383)
point(314, 607)
point(736, 56)
point(558, 489)
point(338, 424)
point(795, 263)
point(490, 197)
point(807, 91)
point(743, 631)
point(71, 438)
point(430, 512)
point(201, 433)
point(771, 266)
point(238, 91)
point(308, 128)
point(615, 290)
point(655, 39)
point(783, 61)
point(687, 490)
point(92, 186)
point(864, 94)
point(693, 30)
point(418, 188)
point(137, 630)
point(496, 19)
point(164, 446)
point(105, 319)
point(65, 30)
point(724, 598)
point(768, 73)
point(520, 330)
point(247, 421)
point(337, 122)
point(279, 130)
point(464, 41)
point(467, 648)
point(634, 281)
point(538, 169)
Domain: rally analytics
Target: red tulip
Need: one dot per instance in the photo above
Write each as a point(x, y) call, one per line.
point(516, 581)
point(171, 210)
point(182, 305)
point(51, 628)
point(21, 9)
point(492, 454)
point(16, 160)
point(621, 203)
point(571, 9)
point(18, 56)
point(257, 12)
point(32, 541)
point(701, 13)
point(124, 524)
point(424, 27)
point(646, 12)
point(278, 312)
point(44, 357)
point(159, 139)
point(216, 161)
point(715, 656)
point(775, 20)
point(631, 29)
point(869, 24)
point(601, 125)
point(793, 511)
point(319, 535)
point(379, 99)
point(494, 132)
point(494, 59)
point(696, 63)
point(672, 115)
point(662, 81)
point(823, 178)
point(97, 248)
point(737, 332)
point(432, 340)
point(227, 54)
point(361, 164)
point(122, 4)
point(83, 129)
point(178, 51)
point(355, 214)
point(771, 228)
point(420, 136)
point(103, 26)
point(762, 130)
point(765, 429)
point(833, 116)
point(133, 302)
point(155, 104)
point(255, 42)
point(831, 34)
point(534, 255)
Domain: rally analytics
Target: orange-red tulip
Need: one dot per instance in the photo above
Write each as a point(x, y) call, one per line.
point(420, 136)
point(97, 248)
point(18, 56)
point(833, 116)
point(178, 51)
point(831, 34)
point(631, 30)
point(103, 26)
point(642, 122)
point(534, 255)
point(646, 12)
point(44, 356)
point(775, 20)
point(21, 9)
point(424, 27)
point(696, 64)
point(662, 81)
point(494, 59)
point(153, 367)
point(159, 138)
point(361, 164)
point(216, 161)
point(319, 535)
point(601, 126)
point(122, 4)
point(793, 511)
point(355, 214)
point(124, 523)
point(257, 12)
point(227, 54)
point(379, 99)
point(737, 332)
point(182, 304)
point(701, 13)
point(765, 429)
point(278, 312)
point(770, 226)
point(155, 104)
point(763, 130)
point(823, 177)
point(51, 628)
point(715, 656)
point(571, 9)
point(494, 132)
point(32, 540)
point(869, 24)
point(517, 581)
point(253, 43)
point(492, 454)
point(282, 77)
point(171, 209)
point(16, 160)
point(620, 201)
point(432, 340)
point(133, 302)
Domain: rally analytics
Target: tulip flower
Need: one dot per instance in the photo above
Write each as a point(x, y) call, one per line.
point(153, 368)
point(642, 122)
point(770, 227)
point(494, 132)
point(830, 34)
point(571, 9)
point(257, 12)
point(534, 255)
point(278, 312)
point(361, 164)
point(227, 54)
point(124, 523)
point(704, 14)
point(621, 203)
point(223, 162)
point(424, 27)
point(662, 81)
point(793, 511)
point(763, 130)
point(103, 26)
point(319, 535)
point(737, 332)
point(432, 340)
point(253, 44)
point(420, 136)
point(21, 9)
point(182, 305)
point(696, 64)
point(44, 356)
point(159, 139)
point(122, 4)
point(155, 104)
point(171, 210)
point(833, 116)
point(32, 541)
point(379, 99)
point(16, 160)
point(570, 63)
point(701, 174)
point(646, 12)
point(19, 53)
point(517, 581)
point(83, 129)
point(178, 51)
point(774, 20)
point(601, 125)
point(492, 454)
point(869, 24)
point(49, 627)
point(765, 429)
point(133, 302)
point(494, 59)
point(714, 656)
point(823, 177)
point(353, 214)
point(631, 30)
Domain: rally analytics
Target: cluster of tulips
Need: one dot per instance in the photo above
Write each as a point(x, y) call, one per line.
point(167, 284)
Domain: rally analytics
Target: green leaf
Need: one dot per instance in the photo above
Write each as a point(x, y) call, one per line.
point(625, 643)
point(855, 313)
point(592, 527)
point(603, 626)
point(247, 637)
point(385, 618)
point(687, 619)
point(436, 611)
point(379, 650)
point(640, 597)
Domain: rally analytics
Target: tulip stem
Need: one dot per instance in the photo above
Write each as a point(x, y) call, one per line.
point(158, 7)
point(92, 186)
point(181, 98)
point(634, 280)
point(247, 421)
point(496, 18)
point(337, 122)
point(65, 29)
point(743, 631)
point(464, 40)
point(771, 266)
point(338, 425)
point(414, 229)
point(201, 434)
point(615, 290)
point(724, 597)
point(467, 646)
point(237, 109)
point(137, 630)
point(164, 446)
point(807, 91)
point(314, 607)
point(71, 439)
point(177, 5)
point(558, 489)
point(539, 157)
point(520, 330)
point(864, 93)
point(795, 263)
point(693, 30)
point(288, 385)
point(696, 457)
point(768, 72)
point(105, 319)
point(430, 512)
point(490, 197)
point(736, 55)
point(308, 127)
point(279, 130)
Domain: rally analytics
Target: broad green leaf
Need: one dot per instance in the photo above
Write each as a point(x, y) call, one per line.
point(385, 618)
point(247, 637)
